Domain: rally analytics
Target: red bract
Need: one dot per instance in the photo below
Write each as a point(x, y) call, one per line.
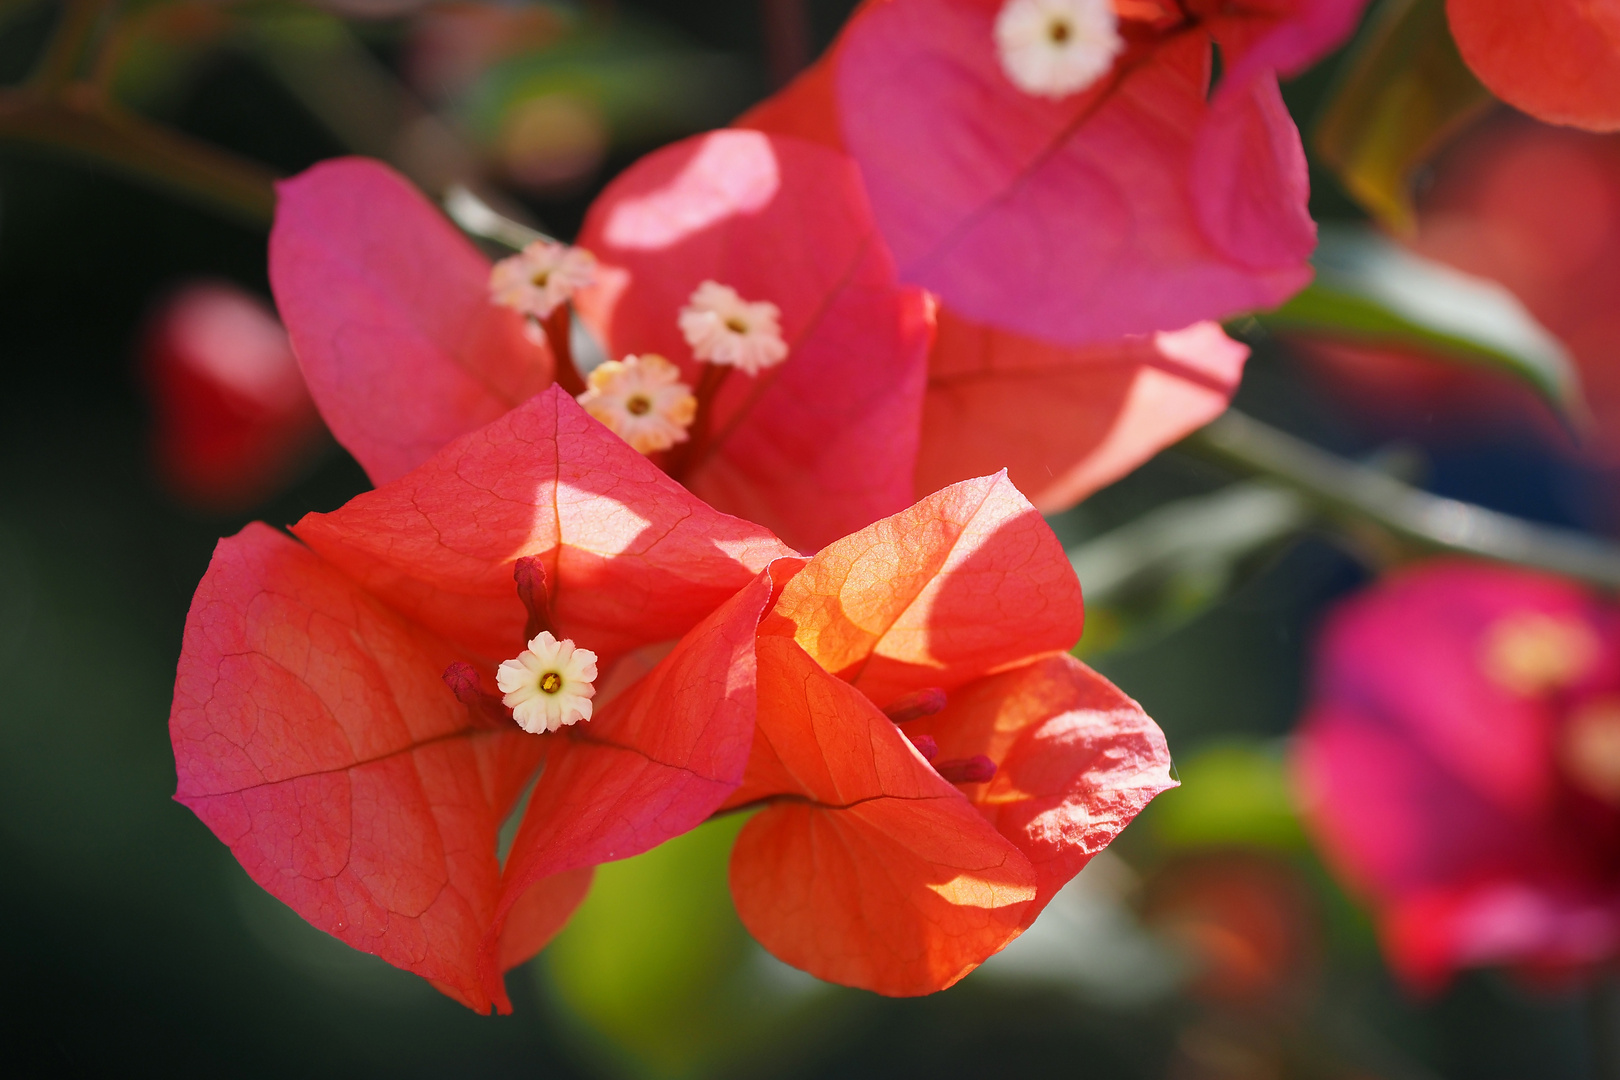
point(1558, 60)
point(1460, 766)
point(1065, 421)
point(232, 418)
point(316, 730)
point(1131, 205)
point(826, 442)
point(389, 311)
point(870, 866)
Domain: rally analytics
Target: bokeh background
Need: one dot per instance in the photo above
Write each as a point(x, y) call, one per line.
point(1208, 942)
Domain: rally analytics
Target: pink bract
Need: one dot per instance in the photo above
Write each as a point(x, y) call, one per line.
point(1133, 206)
point(1443, 794)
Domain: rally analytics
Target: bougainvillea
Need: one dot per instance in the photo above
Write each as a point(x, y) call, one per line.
point(1558, 60)
point(335, 720)
point(1073, 233)
point(1065, 421)
point(1128, 202)
point(232, 419)
point(932, 764)
point(1460, 765)
point(390, 312)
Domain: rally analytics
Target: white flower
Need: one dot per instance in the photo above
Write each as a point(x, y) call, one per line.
point(549, 685)
point(541, 277)
point(642, 400)
point(723, 328)
point(1055, 48)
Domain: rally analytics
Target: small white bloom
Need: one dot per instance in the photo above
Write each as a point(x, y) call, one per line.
point(549, 685)
point(541, 277)
point(723, 328)
point(1055, 48)
point(642, 400)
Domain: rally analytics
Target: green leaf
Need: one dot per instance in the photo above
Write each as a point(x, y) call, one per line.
point(1157, 572)
point(1370, 290)
point(1233, 793)
point(658, 976)
point(1402, 92)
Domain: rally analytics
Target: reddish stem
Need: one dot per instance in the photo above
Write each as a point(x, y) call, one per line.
point(687, 454)
point(557, 326)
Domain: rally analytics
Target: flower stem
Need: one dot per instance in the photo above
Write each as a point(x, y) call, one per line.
point(558, 327)
point(80, 121)
point(1355, 493)
point(64, 53)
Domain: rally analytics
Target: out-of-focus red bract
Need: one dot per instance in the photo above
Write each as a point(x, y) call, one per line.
point(232, 418)
point(314, 732)
point(827, 441)
point(1558, 60)
point(865, 866)
point(1460, 766)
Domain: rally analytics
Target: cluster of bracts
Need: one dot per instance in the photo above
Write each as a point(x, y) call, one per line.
point(978, 235)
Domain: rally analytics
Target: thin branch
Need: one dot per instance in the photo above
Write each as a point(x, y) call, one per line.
point(80, 121)
point(1356, 493)
point(63, 54)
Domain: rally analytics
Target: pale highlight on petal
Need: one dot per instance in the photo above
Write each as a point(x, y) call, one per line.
point(723, 328)
point(541, 277)
point(549, 685)
point(1054, 48)
point(641, 400)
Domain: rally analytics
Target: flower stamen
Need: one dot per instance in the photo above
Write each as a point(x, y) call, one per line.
point(541, 278)
point(725, 329)
point(549, 685)
point(642, 400)
point(1054, 48)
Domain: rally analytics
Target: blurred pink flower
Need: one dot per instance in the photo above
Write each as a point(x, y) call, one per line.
point(1459, 765)
point(232, 418)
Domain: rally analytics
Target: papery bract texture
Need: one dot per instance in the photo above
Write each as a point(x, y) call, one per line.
point(1065, 421)
point(1447, 768)
point(314, 731)
point(866, 866)
point(1558, 60)
point(826, 442)
point(388, 308)
point(1132, 206)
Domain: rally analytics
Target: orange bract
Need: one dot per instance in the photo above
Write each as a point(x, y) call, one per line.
point(1558, 60)
point(866, 867)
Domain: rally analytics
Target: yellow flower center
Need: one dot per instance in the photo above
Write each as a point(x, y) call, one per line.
point(1533, 653)
point(1058, 31)
point(736, 326)
point(539, 280)
point(551, 682)
point(1589, 749)
point(639, 405)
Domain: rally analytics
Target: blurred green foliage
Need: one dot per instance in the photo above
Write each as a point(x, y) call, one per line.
point(1400, 94)
point(660, 974)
